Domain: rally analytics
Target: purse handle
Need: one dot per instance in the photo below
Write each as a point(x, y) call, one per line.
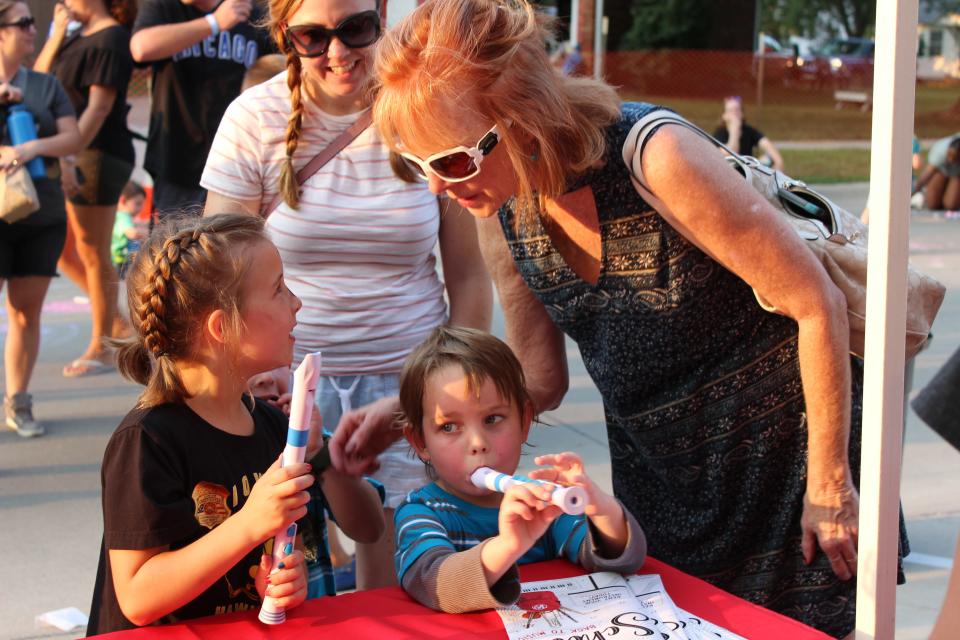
point(645, 127)
point(325, 156)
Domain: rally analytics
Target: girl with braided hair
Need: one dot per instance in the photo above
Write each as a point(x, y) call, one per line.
point(193, 491)
point(357, 241)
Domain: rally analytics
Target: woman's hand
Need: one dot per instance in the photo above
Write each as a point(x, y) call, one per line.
point(830, 519)
point(10, 94)
point(288, 585)
point(11, 158)
point(363, 434)
point(61, 19)
point(68, 177)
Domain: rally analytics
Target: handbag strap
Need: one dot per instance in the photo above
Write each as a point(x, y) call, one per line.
point(645, 127)
point(327, 154)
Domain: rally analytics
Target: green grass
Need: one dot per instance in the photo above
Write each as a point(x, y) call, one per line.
point(815, 166)
point(809, 115)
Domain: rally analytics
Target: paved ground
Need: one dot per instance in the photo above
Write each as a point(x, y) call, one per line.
point(49, 487)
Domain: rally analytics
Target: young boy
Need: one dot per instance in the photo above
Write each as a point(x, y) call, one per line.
point(127, 233)
point(465, 406)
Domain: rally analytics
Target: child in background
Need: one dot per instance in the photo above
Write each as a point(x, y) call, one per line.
point(193, 491)
point(465, 406)
point(127, 233)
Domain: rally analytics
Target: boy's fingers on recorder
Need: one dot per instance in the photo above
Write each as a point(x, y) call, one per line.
point(287, 577)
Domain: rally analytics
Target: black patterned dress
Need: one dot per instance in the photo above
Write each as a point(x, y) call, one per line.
point(702, 396)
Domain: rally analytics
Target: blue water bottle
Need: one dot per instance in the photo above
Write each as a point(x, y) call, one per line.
point(23, 128)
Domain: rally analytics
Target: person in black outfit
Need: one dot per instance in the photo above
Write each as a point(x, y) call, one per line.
point(94, 66)
point(29, 247)
point(741, 137)
point(200, 50)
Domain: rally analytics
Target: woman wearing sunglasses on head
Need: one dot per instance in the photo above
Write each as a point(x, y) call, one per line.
point(356, 241)
point(29, 247)
point(734, 433)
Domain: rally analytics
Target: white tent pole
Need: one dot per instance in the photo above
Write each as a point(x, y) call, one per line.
point(598, 51)
point(893, 105)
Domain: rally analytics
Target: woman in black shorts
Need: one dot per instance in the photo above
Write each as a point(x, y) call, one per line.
point(94, 66)
point(29, 248)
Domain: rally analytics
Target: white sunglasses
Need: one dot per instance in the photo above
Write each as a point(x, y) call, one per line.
point(456, 164)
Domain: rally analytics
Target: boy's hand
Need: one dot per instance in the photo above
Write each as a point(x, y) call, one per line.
point(288, 585)
point(278, 498)
point(525, 515)
point(230, 13)
point(567, 469)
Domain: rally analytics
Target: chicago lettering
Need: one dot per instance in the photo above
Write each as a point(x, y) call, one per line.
point(227, 46)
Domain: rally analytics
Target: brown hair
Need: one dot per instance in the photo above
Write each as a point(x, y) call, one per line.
point(123, 11)
point(451, 57)
point(132, 189)
point(280, 12)
point(481, 356)
point(185, 270)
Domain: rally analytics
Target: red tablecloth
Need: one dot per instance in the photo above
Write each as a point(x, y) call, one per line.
point(389, 614)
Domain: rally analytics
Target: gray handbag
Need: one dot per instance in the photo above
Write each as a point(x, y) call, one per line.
point(837, 237)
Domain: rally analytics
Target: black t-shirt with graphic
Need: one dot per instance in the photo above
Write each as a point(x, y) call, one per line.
point(101, 58)
point(193, 88)
point(168, 478)
point(749, 138)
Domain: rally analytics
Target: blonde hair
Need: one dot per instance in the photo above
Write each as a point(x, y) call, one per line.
point(279, 13)
point(487, 57)
point(480, 355)
point(185, 270)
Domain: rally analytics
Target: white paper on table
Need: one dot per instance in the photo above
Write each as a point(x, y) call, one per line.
point(657, 604)
point(64, 619)
point(598, 603)
point(706, 629)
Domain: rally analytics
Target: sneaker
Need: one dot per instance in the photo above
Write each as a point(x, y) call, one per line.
point(916, 201)
point(19, 414)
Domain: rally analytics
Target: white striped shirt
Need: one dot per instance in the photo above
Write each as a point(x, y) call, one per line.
point(359, 249)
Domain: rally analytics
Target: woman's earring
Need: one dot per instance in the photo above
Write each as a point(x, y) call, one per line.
point(535, 156)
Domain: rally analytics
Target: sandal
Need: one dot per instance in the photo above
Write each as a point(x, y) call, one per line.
point(82, 367)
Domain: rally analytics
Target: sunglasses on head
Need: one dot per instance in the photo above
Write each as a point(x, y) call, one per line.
point(356, 31)
point(456, 164)
point(23, 23)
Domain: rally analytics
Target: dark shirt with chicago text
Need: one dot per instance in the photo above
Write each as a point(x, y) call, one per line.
point(169, 477)
point(192, 89)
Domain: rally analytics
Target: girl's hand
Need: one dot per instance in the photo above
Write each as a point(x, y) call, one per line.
point(525, 515)
point(288, 585)
point(363, 434)
point(278, 498)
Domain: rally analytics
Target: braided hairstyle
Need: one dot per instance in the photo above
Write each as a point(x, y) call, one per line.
point(280, 12)
point(187, 269)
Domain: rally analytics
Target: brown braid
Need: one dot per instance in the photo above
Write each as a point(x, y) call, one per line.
point(289, 188)
point(186, 270)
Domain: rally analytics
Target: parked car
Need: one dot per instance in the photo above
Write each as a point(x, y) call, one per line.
point(806, 69)
point(848, 63)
